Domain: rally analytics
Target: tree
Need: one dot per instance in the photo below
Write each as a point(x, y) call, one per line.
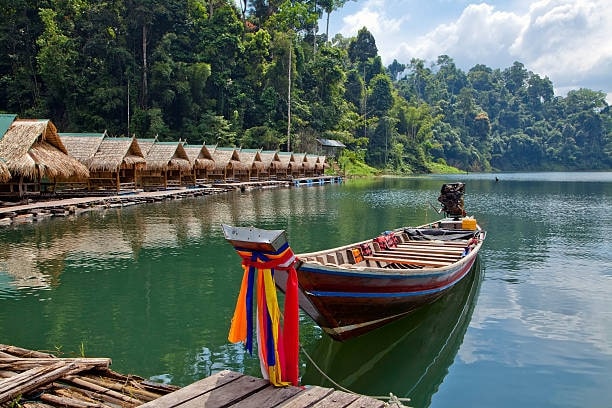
point(362, 48)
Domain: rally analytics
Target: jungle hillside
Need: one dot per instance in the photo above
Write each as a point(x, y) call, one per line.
point(263, 74)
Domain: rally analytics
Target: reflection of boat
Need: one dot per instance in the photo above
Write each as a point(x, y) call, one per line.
point(352, 289)
point(409, 357)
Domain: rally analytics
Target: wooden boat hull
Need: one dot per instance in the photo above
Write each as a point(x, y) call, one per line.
point(346, 301)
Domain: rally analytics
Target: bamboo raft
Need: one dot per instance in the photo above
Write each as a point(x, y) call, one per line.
point(33, 379)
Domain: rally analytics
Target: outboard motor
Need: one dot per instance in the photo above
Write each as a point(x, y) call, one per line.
point(451, 197)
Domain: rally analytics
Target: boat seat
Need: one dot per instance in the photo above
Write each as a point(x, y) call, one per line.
point(340, 258)
point(421, 262)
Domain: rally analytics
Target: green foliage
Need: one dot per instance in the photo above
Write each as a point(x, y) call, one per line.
point(203, 71)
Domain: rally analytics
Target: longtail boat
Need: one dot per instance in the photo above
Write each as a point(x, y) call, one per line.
point(352, 289)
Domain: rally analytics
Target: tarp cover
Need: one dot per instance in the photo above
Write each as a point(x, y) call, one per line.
point(440, 234)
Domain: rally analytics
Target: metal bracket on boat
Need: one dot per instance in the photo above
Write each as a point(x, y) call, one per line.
point(255, 239)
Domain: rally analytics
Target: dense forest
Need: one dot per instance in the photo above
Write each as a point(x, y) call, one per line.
point(256, 74)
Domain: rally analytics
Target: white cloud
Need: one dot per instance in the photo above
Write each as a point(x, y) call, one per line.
point(569, 41)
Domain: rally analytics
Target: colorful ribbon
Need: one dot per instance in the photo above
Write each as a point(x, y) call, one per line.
point(278, 347)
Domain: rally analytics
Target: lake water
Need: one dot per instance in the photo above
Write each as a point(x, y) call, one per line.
point(154, 286)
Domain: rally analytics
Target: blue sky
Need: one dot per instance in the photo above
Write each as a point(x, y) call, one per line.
point(570, 42)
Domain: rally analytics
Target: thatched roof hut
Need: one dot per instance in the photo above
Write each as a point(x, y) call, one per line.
point(82, 146)
point(251, 158)
point(33, 149)
point(286, 159)
point(226, 157)
point(310, 162)
point(200, 157)
point(269, 158)
point(146, 145)
point(167, 156)
point(117, 152)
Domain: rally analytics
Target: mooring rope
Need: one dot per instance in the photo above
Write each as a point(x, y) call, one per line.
point(393, 399)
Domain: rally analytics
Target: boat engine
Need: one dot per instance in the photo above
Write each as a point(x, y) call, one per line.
point(451, 197)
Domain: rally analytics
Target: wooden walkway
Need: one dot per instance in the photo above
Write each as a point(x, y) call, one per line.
point(230, 389)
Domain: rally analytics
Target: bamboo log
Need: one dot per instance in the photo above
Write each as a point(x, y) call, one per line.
point(90, 395)
point(102, 390)
point(7, 373)
point(21, 352)
point(24, 363)
point(31, 379)
point(77, 394)
point(128, 387)
point(68, 402)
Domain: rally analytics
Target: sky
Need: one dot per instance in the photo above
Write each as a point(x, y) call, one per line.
point(570, 42)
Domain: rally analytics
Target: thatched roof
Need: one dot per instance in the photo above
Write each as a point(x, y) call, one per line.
point(270, 158)
point(146, 144)
point(200, 157)
point(167, 155)
point(32, 148)
point(5, 174)
point(226, 156)
point(286, 159)
point(115, 152)
point(251, 158)
point(311, 161)
point(323, 162)
point(82, 146)
point(300, 158)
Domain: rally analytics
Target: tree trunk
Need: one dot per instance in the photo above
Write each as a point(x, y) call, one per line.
point(289, 102)
point(144, 67)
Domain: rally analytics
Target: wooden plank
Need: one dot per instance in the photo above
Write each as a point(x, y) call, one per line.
point(268, 397)
point(432, 248)
point(229, 394)
point(418, 255)
point(307, 398)
point(368, 402)
point(457, 242)
point(194, 390)
point(337, 399)
point(406, 261)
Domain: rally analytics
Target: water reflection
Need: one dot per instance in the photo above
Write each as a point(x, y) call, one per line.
point(418, 350)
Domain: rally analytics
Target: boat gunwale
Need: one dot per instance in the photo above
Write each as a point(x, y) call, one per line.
point(364, 271)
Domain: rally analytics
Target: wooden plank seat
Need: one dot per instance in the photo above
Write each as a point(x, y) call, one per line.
point(431, 248)
point(451, 244)
point(425, 251)
point(413, 254)
point(415, 261)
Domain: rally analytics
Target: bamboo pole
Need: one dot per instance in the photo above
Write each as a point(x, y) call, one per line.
point(31, 379)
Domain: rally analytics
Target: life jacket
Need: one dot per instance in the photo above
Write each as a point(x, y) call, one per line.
point(357, 254)
point(366, 249)
point(392, 240)
point(381, 241)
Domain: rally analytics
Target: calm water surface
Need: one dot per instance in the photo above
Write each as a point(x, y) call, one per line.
point(154, 287)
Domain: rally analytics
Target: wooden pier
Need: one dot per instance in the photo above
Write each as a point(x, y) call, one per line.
point(19, 213)
point(230, 389)
point(34, 379)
